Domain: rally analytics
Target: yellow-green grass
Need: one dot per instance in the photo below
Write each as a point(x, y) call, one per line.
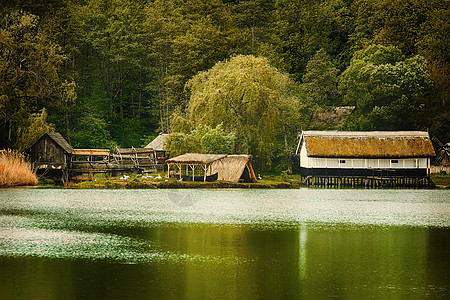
point(441, 180)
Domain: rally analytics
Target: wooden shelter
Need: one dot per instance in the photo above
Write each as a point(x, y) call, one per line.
point(159, 148)
point(352, 154)
point(51, 155)
point(442, 161)
point(139, 158)
point(234, 168)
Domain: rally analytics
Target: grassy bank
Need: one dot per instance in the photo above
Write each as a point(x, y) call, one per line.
point(139, 182)
point(441, 180)
point(14, 170)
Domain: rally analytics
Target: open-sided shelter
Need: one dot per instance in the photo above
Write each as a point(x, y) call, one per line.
point(233, 168)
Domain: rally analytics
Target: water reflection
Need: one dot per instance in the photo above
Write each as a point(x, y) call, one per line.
point(140, 245)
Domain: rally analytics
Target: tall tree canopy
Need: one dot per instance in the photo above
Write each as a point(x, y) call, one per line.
point(390, 91)
point(121, 66)
point(249, 97)
point(29, 75)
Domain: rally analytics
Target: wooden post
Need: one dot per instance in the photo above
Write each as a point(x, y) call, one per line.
point(204, 172)
point(193, 171)
point(179, 169)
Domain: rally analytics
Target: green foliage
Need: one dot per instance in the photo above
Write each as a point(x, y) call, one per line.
point(320, 80)
point(305, 26)
point(389, 91)
point(121, 67)
point(203, 139)
point(29, 66)
point(217, 141)
point(31, 132)
point(249, 97)
point(92, 132)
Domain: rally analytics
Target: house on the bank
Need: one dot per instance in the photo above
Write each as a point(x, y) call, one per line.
point(362, 154)
point(51, 155)
point(211, 167)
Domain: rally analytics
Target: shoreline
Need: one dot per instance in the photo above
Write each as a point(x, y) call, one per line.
point(269, 182)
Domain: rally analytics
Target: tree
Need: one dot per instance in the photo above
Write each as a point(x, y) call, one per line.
point(184, 38)
point(389, 91)
point(92, 132)
point(320, 80)
point(32, 130)
point(305, 26)
point(203, 139)
point(29, 74)
point(249, 97)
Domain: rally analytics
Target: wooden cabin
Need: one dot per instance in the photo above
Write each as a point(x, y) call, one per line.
point(50, 156)
point(377, 154)
point(210, 167)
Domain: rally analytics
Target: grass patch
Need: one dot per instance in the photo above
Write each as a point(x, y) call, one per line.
point(15, 170)
point(442, 180)
point(142, 182)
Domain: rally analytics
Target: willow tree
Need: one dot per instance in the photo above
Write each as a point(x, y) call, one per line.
point(251, 98)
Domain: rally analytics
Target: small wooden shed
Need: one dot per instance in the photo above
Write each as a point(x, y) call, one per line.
point(51, 154)
point(233, 168)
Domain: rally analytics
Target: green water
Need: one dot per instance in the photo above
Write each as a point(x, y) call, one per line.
point(224, 244)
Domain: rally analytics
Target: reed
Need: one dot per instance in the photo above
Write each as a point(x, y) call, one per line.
point(15, 170)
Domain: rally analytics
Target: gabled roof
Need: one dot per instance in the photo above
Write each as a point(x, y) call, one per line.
point(372, 144)
point(196, 159)
point(58, 139)
point(158, 142)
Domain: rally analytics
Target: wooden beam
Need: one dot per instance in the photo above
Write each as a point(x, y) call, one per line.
point(91, 152)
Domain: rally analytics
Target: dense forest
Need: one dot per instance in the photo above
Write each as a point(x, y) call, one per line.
point(236, 76)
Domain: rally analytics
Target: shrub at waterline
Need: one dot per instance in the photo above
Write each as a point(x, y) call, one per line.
point(14, 170)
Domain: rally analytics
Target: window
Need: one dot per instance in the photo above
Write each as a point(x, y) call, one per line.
point(394, 161)
point(342, 161)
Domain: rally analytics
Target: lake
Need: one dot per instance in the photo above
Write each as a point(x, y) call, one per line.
point(209, 244)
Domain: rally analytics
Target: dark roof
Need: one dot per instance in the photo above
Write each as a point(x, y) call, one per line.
point(58, 139)
point(367, 144)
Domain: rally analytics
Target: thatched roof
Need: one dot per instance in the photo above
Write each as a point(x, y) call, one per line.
point(234, 168)
point(373, 144)
point(158, 142)
point(195, 159)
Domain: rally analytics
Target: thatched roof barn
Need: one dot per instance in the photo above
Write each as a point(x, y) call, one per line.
point(379, 144)
point(406, 152)
point(234, 168)
point(158, 143)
